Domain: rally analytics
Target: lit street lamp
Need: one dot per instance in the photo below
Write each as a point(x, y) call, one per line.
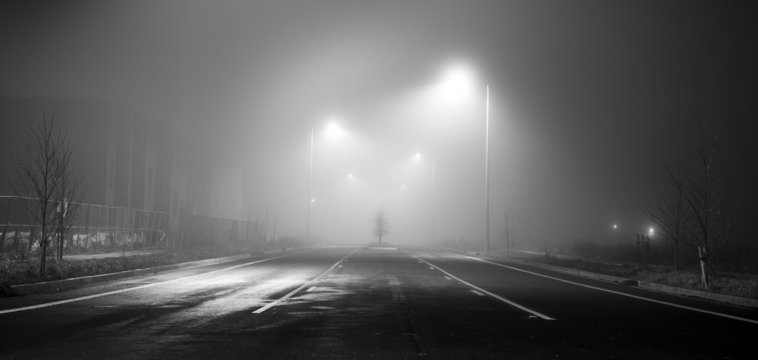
point(333, 129)
point(456, 82)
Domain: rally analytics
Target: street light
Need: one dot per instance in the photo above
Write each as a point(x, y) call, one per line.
point(333, 129)
point(457, 83)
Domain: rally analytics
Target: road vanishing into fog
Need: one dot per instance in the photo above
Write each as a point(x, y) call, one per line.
point(364, 303)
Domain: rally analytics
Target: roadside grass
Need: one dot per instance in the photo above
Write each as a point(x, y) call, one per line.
point(743, 285)
point(24, 270)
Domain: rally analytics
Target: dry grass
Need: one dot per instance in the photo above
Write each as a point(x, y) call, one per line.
point(744, 285)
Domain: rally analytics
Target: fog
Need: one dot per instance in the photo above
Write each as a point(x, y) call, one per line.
point(586, 101)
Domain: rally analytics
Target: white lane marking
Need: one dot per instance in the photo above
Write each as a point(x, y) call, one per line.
point(311, 289)
point(476, 292)
point(431, 268)
point(511, 303)
point(447, 277)
point(618, 292)
point(301, 287)
point(93, 296)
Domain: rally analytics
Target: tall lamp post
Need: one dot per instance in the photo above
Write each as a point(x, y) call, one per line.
point(456, 80)
point(487, 174)
point(310, 194)
point(333, 130)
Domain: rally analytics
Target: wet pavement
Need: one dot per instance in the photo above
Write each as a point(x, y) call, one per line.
point(363, 303)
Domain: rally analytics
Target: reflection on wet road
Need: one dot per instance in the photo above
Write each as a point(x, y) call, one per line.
point(347, 302)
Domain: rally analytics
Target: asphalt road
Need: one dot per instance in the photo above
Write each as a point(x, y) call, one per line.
point(363, 303)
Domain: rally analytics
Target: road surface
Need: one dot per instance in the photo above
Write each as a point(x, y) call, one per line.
point(369, 303)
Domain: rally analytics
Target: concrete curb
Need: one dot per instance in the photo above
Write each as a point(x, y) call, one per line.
point(707, 295)
point(729, 299)
point(58, 285)
point(582, 273)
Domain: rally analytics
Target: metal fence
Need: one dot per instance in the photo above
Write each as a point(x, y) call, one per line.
point(100, 227)
point(93, 226)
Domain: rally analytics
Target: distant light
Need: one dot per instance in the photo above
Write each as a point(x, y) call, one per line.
point(615, 227)
point(651, 232)
point(417, 156)
point(313, 200)
point(349, 175)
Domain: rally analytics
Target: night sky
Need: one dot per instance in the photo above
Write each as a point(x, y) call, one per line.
point(588, 98)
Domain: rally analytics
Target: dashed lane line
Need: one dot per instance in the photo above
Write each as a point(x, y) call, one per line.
point(301, 287)
point(498, 297)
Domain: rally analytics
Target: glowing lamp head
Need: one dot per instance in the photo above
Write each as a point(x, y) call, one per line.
point(333, 129)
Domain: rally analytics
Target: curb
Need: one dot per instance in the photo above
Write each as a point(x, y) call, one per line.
point(729, 299)
point(706, 295)
point(58, 285)
point(583, 273)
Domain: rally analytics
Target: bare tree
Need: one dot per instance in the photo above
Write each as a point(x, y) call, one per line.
point(668, 210)
point(45, 173)
point(697, 208)
point(68, 191)
point(707, 197)
point(381, 225)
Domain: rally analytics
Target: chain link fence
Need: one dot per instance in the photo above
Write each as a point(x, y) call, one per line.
point(107, 228)
point(93, 227)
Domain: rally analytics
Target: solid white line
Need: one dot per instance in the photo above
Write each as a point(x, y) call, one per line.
point(93, 296)
point(511, 303)
point(301, 287)
point(617, 292)
point(476, 292)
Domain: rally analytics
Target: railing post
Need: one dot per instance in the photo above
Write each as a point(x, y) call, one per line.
point(7, 223)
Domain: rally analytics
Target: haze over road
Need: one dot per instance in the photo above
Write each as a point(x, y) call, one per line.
point(348, 302)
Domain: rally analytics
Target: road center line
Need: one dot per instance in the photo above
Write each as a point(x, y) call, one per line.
point(616, 292)
point(301, 287)
point(93, 296)
point(509, 302)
